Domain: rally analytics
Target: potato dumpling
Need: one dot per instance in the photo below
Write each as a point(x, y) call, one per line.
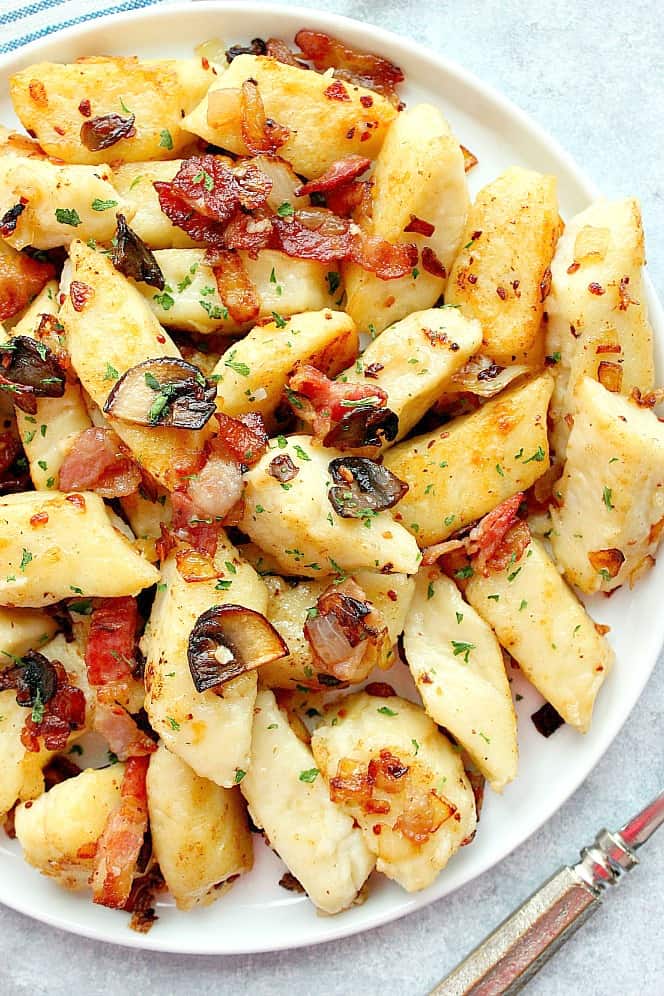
point(609, 514)
point(21, 769)
point(288, 799)
point(501, 274)
point(298, 526)
point(54, 102)
point(59, 830)
point(458, 473)
point(458, 668)
point(200, 835)
point(322, 128)
point(22, 630)
point(390, 768)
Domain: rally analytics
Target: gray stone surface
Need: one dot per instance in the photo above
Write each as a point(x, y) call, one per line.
point(591, 73)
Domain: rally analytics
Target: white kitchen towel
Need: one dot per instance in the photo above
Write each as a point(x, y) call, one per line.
point(22, 21)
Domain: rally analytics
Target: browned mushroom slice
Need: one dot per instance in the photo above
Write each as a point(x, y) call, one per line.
point(29, 370)
point(364, 426)
point(163, 391)
point(362, 487)
point(131, 256)
point(228, 640)
point(106, 130)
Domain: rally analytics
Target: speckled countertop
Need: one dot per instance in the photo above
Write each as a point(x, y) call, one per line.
point(591, 73)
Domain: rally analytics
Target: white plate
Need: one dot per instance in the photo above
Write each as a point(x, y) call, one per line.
point(257, 915)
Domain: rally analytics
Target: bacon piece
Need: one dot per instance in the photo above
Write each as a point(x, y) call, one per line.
point(236, 290)
point(201, 533)
point(352, 196)
point(244, 437)
point(21, 279)
point(277, 49)
point(500, 537)
point(259, 133)
point(10, 447)
point(121, 840)
point(178, 211)
point(97, 461)
point(432, 264)
point(350, 64)
point(420, 226)
point(314, 233)
point(386, 260)
point(61, 714)
point(119, 729)
point(329, 400)
point(431, 554)
point(250, 233)
point(338, 174)
point(110, 651)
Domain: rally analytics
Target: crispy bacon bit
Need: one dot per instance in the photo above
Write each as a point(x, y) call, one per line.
point(121, 840)
point(324, 402)
point(432, 553)
point(373, 370)
point(500, 537)
point(596, 288)
point(379, 689)
point(80, 294)
point(546, 720)
point(347, 635)
point(55, 713)
point(235, 288)
point(387, 261)
point(610, 376)
point(350, 64)
point(607, 562)
point(338, 174)
point(624, 298)
point(84, 108)
point(469, 159)
point(37, 92)
point(244, 437)
point(432, 264)
point(283, 469)
point(21, 276)
point(425, 814)
point(336, 91)
point(141, 900)
point(420, 226)
point(648, 400)
point(277, 49)
point(98, 461)
point(111, 646)
point(346, 199)
point(260, 134)
point(9, 220)
point(313, 233)
point(107, 130)
point(218, 485)
point(119, 729)
point(545, 284)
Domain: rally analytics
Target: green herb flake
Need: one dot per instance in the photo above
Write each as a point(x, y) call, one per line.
point(514, 574)
point(239, 368)
point(173, 723)
point(110, 373)
point(38, 709)
point(607, 494)
point(26, 557)
point(524, 605)
point(459, 617)
point(83, 606)
point(310, 775)
point(99, 205)
point(222, 585)
point(279, 320)
point(415, 745)
point(75, 749)
point(164, 300)
point(464, 572)
point(499, 470)
point(494, 598)
point(537, 456)
point(239, 775)
point(303, 455)
point(430, 590)
point(42, 430)
point(462, 649)
point(67, 216)
point(285, 210)
point(165, 139)
point(386, 711)
point(29, 436)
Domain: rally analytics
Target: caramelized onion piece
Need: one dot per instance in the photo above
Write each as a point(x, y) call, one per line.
point(131, 256)
point(607, 562)
point(104, 131)
point(236, 289)
point(362, 487)
point(163, 391)
point(277, 49)
point(29, 370)
point(228, 640)
point(21, 276)
point(347, 634)
point(470, 160)
point(363, 428)
point(260, 133)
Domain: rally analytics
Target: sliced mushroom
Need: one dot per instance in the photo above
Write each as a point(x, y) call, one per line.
point(362, 487)
point(131, 256)
point(30, 370)
point(364, 426)
point(36, 680)
point(163, 391)
point(228, 640)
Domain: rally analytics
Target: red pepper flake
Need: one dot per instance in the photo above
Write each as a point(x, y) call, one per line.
point(336, 91)
point(84, 108)
point(365, 136)
point(58, 130)
point(78, 501)
point(420, 226)
point(502, 293)
point(366, 100)
point(392, 595)
point(205, 63)
point(377, 828)
point(573, 267)
point(472, 278)
point(161, 338)
point(350, 133)
point(80, 294)
point(39, 519)
point(596, 289)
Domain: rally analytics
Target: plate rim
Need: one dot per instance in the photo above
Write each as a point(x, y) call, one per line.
point(523, 120)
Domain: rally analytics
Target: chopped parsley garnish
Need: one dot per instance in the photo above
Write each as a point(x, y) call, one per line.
point(38, 708)
point(607, 494)
point(67, 216)
point(26, 557)
point(222, 585)
point(110, 373)
point(173, 723)
point(464, 572)
point(285, 210)
point(165, 139)
point(386, 711)
point(279, 320)
point(239, 775)
point(310, 775)
point(302, 454)
point(164, 300)
point(239, 368)
point(537, 456)
point(430, 590)
point(462, 649)
point(459, 617)
point(99, 205)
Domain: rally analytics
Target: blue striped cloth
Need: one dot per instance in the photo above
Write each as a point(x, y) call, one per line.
point(22, 21)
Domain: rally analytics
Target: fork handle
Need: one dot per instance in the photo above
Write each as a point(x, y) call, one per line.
point(505, 961)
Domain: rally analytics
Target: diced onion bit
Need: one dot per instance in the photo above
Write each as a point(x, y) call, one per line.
point(546, 720)
point(163, 391)
point(131, 256)
point(362, 487)
point(104, 131)
point(228, 640)
point(260, 133)
point(347, 634)
point(29, 370)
